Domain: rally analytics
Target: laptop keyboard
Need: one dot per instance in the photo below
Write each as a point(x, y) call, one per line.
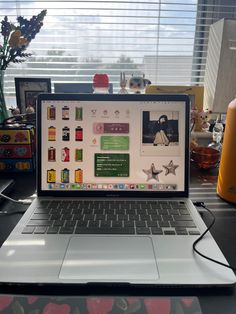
point(111, 217)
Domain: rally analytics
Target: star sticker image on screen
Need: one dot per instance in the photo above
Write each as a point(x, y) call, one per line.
point(112, 145)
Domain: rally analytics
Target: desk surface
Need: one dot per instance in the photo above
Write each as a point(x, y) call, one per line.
point(202, 188)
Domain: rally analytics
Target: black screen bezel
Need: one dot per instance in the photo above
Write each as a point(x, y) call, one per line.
point(113, 97)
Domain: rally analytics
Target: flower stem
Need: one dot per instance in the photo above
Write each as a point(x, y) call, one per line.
point(3, 108)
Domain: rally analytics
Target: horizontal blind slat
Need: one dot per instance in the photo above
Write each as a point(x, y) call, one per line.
point(165, 39)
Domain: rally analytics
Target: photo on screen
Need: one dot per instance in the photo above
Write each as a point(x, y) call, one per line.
point(160, 133)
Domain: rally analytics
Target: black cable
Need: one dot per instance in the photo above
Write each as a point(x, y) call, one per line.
point(203, 234)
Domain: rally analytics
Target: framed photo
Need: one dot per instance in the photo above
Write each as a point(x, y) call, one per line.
point(28, 89)
point(195, 93)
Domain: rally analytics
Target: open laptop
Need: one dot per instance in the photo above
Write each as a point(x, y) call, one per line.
point(112, 203)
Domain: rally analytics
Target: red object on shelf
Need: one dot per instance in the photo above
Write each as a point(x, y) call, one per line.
point(100, 80)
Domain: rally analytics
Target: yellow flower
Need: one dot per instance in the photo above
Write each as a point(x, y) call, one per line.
point(16, 40)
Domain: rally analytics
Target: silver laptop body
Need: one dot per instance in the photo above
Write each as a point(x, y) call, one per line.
point(112, 205)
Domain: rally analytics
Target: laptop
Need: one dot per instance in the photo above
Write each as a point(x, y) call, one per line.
point(112, 205)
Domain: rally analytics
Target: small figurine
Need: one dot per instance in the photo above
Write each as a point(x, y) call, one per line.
point(29, 109)
point(199, 121)
point(101, 84)
point(123, 83)
point(193, 142)
point(15, 111)
point(138, 83)
point(217, 134)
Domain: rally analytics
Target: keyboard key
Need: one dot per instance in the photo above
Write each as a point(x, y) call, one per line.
point(116, 224)
point(58, 223)
point(70, 223)
point(44, 203)
point(28, 230)
point(167, 217)
point(151, 211)
point(100, 217)
point(40, 230)
point(65, 211)
point(105, 231)
point(133, 217)
point(178, 206)
point(55, 217)
point(194, 232)
point(55, 211)
point(184, 212)
point(122, 217)
point(93, 224)
point(89, 217)
point(128, 223)
point(156, 230)
point(76, 211)
point(39, 223)
point(67, 217)
point(41, 216)
point(120, 211)
point(163, 212)
point(140, 224)
point(42, 211)
point(105, 224)
point(53, 230)
point(143, 230)
point(151, 223)
point(181, 232)
point(54, 204)
point(165, 206)
point(184, 224)
point(182, 217)
point(144, 217)
point(78, 217)
point(163, 224)
point(66, 230)
point(82, 223)
point(156, 206)
point(173, 211)
point(131, 212)
point(98, 212)
point(169, 232)
point(111, 217)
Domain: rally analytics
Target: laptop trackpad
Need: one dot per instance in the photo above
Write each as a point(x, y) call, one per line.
point(110, 259)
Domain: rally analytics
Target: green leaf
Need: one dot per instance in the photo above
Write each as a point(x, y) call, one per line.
point(36, 311)
point(76, 310)
point(122, 304)
point(17, 308)
point(133, 308)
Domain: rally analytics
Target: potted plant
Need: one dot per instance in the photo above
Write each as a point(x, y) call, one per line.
point(15, 41)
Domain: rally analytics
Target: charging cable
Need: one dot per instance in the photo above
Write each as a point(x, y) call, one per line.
point(201, 204)
point(23, 202)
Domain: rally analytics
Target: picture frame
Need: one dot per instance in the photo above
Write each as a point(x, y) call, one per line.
point(28, 89)
point(195, 93)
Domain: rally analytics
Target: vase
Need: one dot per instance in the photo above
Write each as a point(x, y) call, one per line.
point(3, 108)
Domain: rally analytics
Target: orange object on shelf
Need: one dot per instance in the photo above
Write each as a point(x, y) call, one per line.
point(205, 157)
point(226, 185)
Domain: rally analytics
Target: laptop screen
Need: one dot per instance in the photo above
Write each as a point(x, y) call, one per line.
point(113, 143)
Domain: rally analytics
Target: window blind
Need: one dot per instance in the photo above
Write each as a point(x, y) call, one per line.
point(164, 39)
